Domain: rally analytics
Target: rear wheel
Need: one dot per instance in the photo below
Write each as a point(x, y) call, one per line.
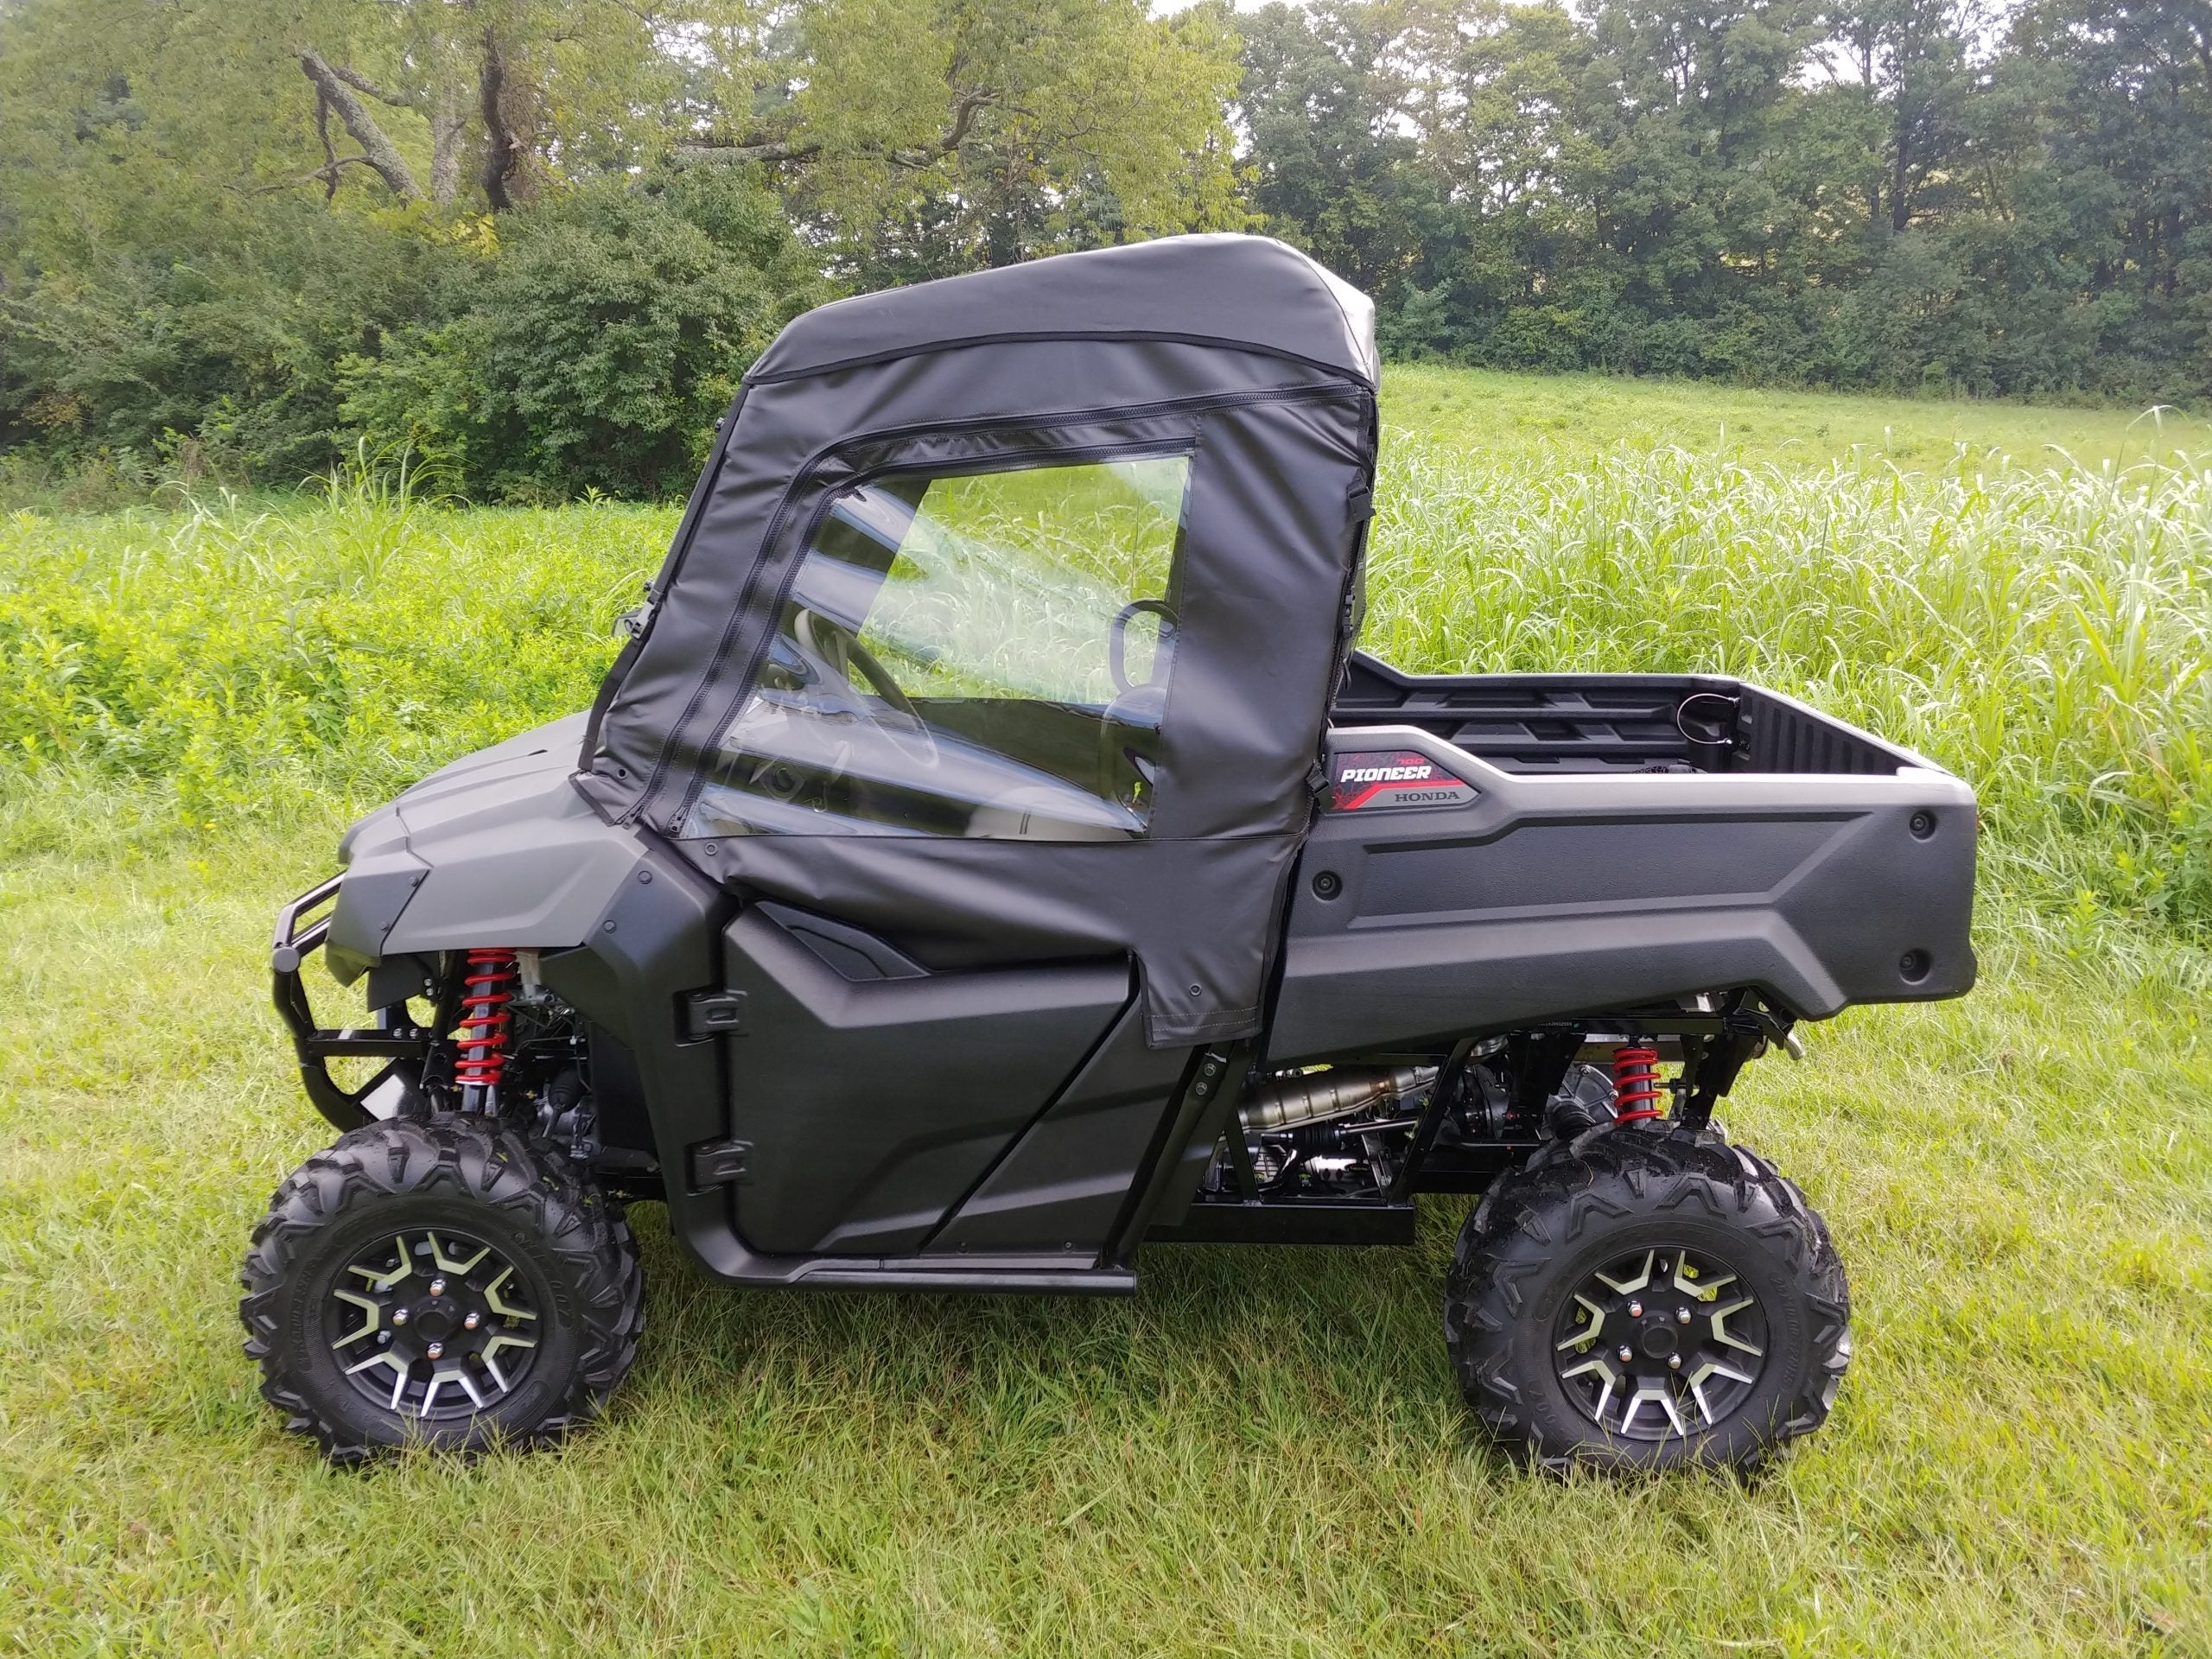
point(1662, 1298)
point(445, 1283)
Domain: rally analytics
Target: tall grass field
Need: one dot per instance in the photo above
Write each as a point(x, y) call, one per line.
point(1264, 1452)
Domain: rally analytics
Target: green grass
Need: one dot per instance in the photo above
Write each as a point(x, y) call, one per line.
point(1483, 412)
point(1264, 1452)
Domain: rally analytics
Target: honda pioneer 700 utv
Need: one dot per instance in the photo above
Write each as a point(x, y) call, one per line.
point(990, 854)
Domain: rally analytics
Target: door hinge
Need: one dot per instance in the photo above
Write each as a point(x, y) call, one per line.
point(712, 1014)
point(722, 1163)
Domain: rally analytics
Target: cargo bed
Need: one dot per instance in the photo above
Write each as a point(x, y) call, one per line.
point(1537, 723)
point(1602, 843)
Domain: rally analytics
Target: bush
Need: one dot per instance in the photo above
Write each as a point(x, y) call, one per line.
point(594, 347)
point(211, 345)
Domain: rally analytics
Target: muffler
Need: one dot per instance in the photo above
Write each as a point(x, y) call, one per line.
point(1290, 1102)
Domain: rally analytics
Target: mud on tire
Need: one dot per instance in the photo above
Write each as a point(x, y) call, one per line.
point(1643, 1258)
point(524, 1254)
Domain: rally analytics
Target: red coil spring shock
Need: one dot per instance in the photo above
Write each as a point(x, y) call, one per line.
point(485, 991)
point(1636, 1083)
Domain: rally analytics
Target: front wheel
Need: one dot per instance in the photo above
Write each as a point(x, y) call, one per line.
point(1662, 1298)
point(446, 1283)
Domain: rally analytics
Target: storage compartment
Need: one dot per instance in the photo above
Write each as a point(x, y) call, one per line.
point(1542, 724)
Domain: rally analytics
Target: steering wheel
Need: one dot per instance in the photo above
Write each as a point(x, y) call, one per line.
point(840, 648)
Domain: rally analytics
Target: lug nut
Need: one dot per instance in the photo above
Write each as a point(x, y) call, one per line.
point(1682, 1316)
point(1674, 1362)
point(435, 1351)
point(475, 1320)
point(1635, 1310)
point(400, 1316)
point(437, 1286)
point(1627, 1353)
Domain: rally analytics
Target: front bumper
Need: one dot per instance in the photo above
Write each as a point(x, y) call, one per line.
point(403, 1046)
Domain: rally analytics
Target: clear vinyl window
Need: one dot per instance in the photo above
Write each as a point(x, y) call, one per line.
point(981, 654)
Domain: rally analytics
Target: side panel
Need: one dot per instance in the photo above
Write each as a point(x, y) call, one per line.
point(1545, 896)
point(1063, 1183)
point(871, 1106)
point(654, 945)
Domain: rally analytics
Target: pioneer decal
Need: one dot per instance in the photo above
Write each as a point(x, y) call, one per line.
point(1393, 778)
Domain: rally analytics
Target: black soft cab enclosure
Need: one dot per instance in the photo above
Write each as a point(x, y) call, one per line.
point(990, 853)
point(1006, 616)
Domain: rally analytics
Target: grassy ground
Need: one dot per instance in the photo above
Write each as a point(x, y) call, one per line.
point(1481, 411)
point(1264, 1452)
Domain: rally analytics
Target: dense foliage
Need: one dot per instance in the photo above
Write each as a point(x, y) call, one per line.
point(532, 243)
point(1954, 195)
point(594, 349)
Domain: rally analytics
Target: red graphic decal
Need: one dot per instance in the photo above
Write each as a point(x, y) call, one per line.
point(1393, 778)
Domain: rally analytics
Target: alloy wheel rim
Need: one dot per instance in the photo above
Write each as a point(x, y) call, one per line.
point(431, 1324)
point(1660, 1343)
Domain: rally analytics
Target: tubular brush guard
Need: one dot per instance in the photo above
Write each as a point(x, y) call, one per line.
point(317, 1044)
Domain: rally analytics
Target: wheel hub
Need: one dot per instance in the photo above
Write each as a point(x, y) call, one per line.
point(431, 1324)
point(1663, 1341)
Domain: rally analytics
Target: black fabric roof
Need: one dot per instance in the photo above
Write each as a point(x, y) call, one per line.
point(1246, 291)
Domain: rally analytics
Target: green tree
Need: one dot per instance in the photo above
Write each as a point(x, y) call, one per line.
point(1331, 96)
point(922, 136)
point(1913, 60)
point(210, 206)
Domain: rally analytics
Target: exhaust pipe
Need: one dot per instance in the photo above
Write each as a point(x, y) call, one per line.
point(1290, 1103)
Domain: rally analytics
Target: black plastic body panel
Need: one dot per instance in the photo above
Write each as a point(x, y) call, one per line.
point(657, 942)
point(1069, 1178)
point(1550, 895)
point(851, 952)
point(872, 1106)
point(373, 900)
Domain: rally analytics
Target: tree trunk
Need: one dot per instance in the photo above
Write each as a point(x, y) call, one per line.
point(502, 154)
point(329, 149)
point(375, 150)
point(1901, 169)
point(448, 128)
